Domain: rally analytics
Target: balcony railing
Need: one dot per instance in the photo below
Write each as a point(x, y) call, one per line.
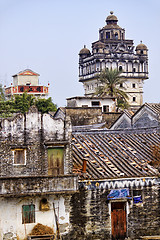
point(29, 185)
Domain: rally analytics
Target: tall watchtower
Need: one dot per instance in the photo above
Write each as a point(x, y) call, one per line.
point(112, 50)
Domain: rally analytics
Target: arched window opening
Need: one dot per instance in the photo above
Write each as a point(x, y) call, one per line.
point(120, 68)
point(107, 35)
point(116, 35)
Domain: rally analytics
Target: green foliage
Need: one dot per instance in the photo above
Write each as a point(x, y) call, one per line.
point(7, 108)
point(109, 81)
point(23, 103)
point(122, 104)
point(45, 105)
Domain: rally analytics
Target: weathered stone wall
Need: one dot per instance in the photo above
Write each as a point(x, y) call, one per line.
point(89, 116)
point(110, 118)
point(90, 214)
point(84, 116)
point(144, 219)
point(34, 133)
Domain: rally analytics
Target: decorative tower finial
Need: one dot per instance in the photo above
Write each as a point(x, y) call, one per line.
point(111, 12)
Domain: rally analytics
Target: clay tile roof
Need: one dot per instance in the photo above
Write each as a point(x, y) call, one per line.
point(115, 154)
point(154, 106)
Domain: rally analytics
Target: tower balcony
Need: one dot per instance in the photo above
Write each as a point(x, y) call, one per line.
point(89, 76)
point(20, 89)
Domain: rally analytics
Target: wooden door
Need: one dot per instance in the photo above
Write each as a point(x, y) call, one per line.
point(55, 161)
point(118, 219)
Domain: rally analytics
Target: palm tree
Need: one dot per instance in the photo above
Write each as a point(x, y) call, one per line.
point(111, 84)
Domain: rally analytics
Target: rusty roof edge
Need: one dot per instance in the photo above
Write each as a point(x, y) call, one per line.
point(124, 131)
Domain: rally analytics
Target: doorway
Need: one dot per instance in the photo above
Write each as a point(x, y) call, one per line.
point(118, 220)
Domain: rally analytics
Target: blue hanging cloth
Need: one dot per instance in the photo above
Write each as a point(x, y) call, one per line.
point(118, 194)
point(137, 199)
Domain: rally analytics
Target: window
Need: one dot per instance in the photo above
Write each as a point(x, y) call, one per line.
point(120, 68)
point(107, 35)
point(95, 104)
point(141, 51)
point(28, 214)
point(134, 69)
point(134, 99)
point(116, 35)
point(106, 108)
point(121, 85)
point(133, 85)
point(19, 156)
point(55, 161)
point(137, 196)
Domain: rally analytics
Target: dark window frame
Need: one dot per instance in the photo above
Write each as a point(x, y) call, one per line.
point(134, 99)
point(95, 103)
point(28, 214)
point(105, 108)
point(19, 156)
point(120, 68)
point(108, 35)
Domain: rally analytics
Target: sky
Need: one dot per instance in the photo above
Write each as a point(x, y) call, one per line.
point(47, 35)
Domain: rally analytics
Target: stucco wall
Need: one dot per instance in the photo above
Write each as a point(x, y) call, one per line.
point(11, 215)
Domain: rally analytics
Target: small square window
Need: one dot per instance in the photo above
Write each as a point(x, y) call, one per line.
point(19, 156)
point(95, 103)
point(106, 108)
point(28, 214)
point(134, 99)
point(133, 85)
point(137, 196)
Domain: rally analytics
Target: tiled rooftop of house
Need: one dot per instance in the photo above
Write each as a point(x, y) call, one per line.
point(114, 154)
point(154, 106)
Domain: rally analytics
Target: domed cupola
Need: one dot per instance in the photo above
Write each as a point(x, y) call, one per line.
point(111, 30)
point(141, 49)
point(98, 47)
point(111, 19)
point(84, 52)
